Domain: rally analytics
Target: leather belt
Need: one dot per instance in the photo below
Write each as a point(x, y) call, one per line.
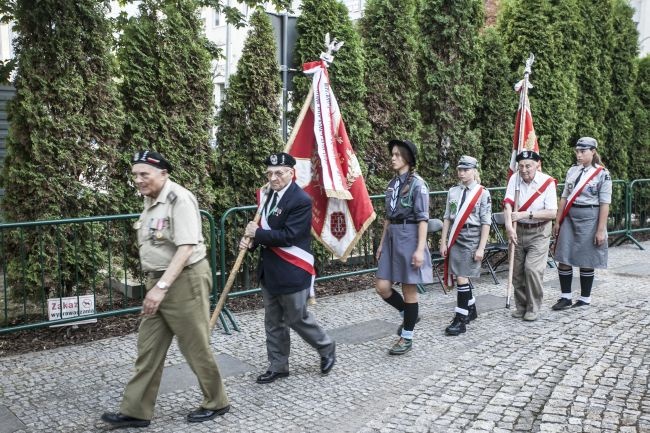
point(533, 225)
point(467, 226)
point(157, 274)
point(402, 221)
point(584, 206)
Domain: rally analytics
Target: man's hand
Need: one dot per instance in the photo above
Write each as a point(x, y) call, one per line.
point(251, 228)
point(244, 243)
point(152, 301)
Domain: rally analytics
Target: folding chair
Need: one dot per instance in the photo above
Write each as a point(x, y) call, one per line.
point(500, 245)
point(434, 226)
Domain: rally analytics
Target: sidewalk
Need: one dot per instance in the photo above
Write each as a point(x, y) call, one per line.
point(570, 371)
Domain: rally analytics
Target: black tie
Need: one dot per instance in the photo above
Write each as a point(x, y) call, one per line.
point(274, 201)
point(462, 200)
point(575, 182)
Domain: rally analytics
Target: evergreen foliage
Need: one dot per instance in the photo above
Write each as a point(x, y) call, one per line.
point(65, 123)
point(167, 89)
point(249, 118)
point(496, 111)
point(594, 71)
point(618, 122)
point(640, 145)
point(317, 18)
point(450, 67)
point(389, 32)
point(546, 29)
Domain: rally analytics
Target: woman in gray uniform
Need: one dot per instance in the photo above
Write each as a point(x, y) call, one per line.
point(464, 234)
point(402, 253)
point(581, 225)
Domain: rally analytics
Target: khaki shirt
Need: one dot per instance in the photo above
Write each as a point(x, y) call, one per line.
point(171, 220)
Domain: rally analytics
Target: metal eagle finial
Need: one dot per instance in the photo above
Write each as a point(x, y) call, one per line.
point(331, 46)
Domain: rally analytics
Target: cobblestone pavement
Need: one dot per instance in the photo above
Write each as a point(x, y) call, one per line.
point(570, 371)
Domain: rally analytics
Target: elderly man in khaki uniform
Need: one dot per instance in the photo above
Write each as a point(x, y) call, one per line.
point(179, 279)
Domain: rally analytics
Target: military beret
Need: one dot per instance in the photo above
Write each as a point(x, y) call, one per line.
point(466, 161)
point(281, 159)
point(152, 158)
point(408, 145)
point(528, 154)
point(586, 143)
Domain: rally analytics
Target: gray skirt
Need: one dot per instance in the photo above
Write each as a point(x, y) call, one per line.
point(461, 254)
point(575, 243)
point(395, 261)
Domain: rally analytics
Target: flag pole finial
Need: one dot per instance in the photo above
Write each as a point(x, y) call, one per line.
point(529, 63)
point(330, 48)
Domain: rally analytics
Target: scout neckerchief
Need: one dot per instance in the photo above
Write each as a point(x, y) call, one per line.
point(461, 217)
point(536, 194)
point(577, 190)
point(292, 255)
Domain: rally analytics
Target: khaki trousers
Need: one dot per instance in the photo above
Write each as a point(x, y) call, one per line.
point(530, 261)
point(185, 313)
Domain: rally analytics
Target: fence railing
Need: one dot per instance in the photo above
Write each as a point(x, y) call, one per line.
point(97, 256)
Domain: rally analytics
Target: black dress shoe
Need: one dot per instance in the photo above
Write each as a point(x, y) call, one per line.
point(327, 362)
point(270, 376)
point(203, 414)
point(118, 420)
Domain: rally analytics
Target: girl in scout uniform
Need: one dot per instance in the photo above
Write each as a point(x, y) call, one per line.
point(402, 253)
point(581, 225)
point(465, 232)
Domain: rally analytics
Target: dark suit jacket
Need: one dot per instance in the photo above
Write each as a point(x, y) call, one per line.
point(291, 227)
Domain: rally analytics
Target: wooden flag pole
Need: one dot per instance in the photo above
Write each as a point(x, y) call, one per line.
point(523, 96)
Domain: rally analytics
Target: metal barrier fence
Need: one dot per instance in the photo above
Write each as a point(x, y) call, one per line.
point(96, 256)
point(93, 261)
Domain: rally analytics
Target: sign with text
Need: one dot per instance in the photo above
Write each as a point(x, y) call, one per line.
point(73, 306)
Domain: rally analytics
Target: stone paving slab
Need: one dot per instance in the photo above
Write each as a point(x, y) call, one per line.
point(579, 370)
point(9, 423)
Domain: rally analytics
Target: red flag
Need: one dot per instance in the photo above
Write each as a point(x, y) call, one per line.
point(327, 168)
point(524, 138)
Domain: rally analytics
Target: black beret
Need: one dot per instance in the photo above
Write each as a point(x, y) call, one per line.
point(528, 154)
point(405, 144)
point(152, 158)
point(281, 159)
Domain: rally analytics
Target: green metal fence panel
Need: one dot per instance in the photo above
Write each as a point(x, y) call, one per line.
point(48, 261)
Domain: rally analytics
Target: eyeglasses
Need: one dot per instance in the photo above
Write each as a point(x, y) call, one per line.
point(278, 174)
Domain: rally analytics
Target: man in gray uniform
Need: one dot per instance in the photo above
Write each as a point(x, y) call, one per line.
point(179, 279)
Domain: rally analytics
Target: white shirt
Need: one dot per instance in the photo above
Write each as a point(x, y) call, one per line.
point(546, 200)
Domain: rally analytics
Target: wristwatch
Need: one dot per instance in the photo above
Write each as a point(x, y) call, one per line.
point(162, 285)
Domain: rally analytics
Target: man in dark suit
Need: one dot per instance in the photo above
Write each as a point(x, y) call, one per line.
point(286, 269)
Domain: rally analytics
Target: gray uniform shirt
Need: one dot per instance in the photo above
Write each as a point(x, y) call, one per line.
point(482, 212)
point(598, 190)
point(412, 202)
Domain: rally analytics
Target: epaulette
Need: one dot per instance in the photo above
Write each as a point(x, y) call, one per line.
point(172, 197)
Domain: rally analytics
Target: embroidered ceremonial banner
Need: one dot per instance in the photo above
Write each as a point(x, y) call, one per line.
point(327, 168)
point(524, 129)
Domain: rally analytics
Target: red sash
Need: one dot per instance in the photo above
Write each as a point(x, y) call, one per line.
point(536, 194)
point(457, 227)
point(576, 193)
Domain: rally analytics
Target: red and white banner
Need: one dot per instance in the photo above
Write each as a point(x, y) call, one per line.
point(524, 129)
point(327, 168)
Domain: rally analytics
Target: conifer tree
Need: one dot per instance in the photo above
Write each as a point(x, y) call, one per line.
point(317, 18)
point(167, 91)
point(594, 71)
point(65, 123)
point(249, 118)
point(640, 145)
point(450, 66)
point(624, 50)
point(495, 114)
point(389, 31)
point(546, 29)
